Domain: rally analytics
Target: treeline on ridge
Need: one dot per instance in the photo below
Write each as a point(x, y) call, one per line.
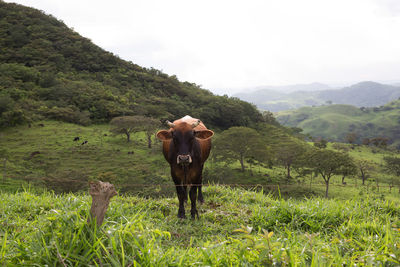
point(49, 71)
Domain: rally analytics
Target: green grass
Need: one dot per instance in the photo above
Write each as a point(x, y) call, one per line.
point(236, 227)
point(284, 223)
point(64, 165)
point(62, 159)
point(333, 122)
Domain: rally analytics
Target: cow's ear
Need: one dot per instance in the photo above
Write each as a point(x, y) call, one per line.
point(164, 135)
point(204, 134)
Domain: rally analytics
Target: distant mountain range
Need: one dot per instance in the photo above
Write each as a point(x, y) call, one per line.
point(279, 98)
point(292, 88)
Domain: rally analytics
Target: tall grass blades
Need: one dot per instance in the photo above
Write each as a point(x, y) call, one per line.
point(236, 227)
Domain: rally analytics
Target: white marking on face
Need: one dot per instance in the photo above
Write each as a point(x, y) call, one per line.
point(187, 118)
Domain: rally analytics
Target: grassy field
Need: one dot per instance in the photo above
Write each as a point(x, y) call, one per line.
point(47, 156)
point(236, 227)
point(258, 218)
point(63, 164)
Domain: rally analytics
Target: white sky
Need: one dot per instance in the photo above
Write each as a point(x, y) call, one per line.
point(223, 44)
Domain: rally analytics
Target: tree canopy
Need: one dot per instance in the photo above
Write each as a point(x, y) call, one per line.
point(328, 163)
point(392, 165)
point(290, 154)
point(240, 143)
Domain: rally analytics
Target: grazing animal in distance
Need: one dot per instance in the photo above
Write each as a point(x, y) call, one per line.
point(84, 143)
point(186, 146)
point(76, 138)
point(34, 154)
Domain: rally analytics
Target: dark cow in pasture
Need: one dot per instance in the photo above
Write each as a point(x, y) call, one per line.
point(34, 154)
point(76, 138)
point(186, 146)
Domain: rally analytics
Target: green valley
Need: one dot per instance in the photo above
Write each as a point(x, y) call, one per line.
point(335, 122)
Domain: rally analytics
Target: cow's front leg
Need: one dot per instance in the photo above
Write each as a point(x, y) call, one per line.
point(193, 196)
point(182, 195)
point(185, 194)
point(200, 197)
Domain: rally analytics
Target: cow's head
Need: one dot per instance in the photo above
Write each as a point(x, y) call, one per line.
point(183, 136)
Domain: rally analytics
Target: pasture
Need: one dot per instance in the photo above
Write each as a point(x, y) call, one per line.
point(260, 219)
point(49, 157)
point(236, 227)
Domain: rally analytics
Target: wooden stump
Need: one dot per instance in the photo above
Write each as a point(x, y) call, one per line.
point(101, 193)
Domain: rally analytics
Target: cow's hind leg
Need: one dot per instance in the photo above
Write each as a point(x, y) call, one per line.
point(182, 196)
point(193, 196)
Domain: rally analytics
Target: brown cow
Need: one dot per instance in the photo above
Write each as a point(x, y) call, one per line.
point(186, 146)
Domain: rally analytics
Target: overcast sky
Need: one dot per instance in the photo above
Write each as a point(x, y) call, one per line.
point(225, 45)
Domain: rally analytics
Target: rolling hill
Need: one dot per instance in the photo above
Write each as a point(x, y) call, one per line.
point(334, 122)
point(363, 94)
point(49, 71)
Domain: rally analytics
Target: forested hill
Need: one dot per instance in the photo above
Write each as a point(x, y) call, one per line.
point(335, 122)
point(49, 71)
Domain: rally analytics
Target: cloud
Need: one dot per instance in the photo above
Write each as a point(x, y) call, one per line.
point(388, 7)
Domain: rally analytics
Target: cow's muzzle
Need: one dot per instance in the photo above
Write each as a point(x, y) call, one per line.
point(184, 159)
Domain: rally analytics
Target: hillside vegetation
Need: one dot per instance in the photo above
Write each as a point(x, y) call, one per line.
point(363, 94)
point(334, 122)
point(49, 71)
point(46, 155)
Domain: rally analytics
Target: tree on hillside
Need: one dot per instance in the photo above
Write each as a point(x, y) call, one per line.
point(240, 143)
point(128, 125)
point(150, 125)
point(365, 167)
point(351, 138)
point(320, 142)
point(124, 125)
point(392, 166)
point(366, 141)
point(341, 147)
point(379, 142)
point(328, 163)
point(269, 118)
point(289, 155)
point(348, 168)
